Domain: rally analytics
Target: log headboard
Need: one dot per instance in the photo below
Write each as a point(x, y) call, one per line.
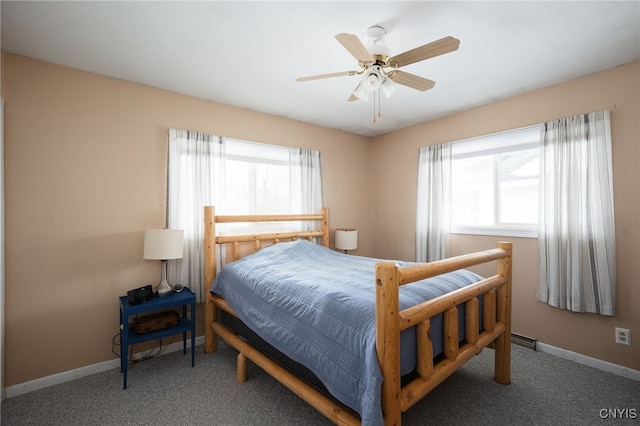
point(321, 231)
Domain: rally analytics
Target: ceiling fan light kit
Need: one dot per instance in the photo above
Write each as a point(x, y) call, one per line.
point(375, 58)
point(373, 78)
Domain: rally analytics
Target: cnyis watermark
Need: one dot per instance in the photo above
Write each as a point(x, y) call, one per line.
point(618, 413)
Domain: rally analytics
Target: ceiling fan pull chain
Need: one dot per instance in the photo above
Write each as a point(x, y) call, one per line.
point(374, 107)
point(376, 92)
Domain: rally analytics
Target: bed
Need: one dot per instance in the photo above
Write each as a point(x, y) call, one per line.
point(419, 323)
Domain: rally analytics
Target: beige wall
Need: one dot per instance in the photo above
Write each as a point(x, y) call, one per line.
point(394, 166)
point(85, 172)
point(85, 175)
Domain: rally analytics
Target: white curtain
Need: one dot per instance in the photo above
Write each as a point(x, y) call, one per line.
point(576, 241)
point(433, 202)
point(195, 178)
point(306, 183)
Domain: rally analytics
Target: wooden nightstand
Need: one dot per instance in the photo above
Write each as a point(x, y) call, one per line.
point(129, 335)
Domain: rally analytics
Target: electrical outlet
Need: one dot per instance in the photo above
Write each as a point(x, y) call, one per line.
point(623, 336)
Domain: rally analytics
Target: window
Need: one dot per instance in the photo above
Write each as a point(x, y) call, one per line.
point(256, 178)
point(494, 184)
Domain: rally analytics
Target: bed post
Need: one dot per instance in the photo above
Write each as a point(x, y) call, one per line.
point(209, 274)
point(388, 339)
point(325, 226)
point(503, 343)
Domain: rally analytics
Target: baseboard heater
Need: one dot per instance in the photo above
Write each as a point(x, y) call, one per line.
point(524, 341)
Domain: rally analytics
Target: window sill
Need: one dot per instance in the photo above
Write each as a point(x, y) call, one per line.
point(500, 232)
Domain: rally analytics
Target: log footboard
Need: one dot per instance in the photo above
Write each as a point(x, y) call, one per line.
point(390, 321)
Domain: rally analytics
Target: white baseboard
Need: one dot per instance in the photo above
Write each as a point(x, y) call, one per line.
point(591, 362)
point(77, 373)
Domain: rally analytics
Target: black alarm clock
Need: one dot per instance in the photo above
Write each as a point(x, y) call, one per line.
point(140, 295)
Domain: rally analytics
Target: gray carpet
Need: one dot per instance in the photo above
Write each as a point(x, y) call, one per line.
point(545, 390)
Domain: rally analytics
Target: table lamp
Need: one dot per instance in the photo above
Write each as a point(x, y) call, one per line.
point(163, 244)
point(346, 239)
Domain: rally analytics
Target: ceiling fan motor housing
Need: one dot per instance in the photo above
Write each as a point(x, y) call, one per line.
point(373, 36)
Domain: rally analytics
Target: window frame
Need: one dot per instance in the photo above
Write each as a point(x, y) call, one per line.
point(495, 144)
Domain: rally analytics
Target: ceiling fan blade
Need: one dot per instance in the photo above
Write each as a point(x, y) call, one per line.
point(352, 98)
point(429, 50)
point(353, 44)
point(319, 76)
point(411, 80)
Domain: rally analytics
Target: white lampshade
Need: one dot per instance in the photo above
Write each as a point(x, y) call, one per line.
point(361, 93)
point(388, 87)
point(163, 244)
point(346, 238)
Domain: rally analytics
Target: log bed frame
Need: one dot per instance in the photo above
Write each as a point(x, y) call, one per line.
point(496, 319)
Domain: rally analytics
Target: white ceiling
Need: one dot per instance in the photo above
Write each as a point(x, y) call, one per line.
point(249, 54)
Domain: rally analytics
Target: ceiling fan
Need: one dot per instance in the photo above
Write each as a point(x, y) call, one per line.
point(379, 70)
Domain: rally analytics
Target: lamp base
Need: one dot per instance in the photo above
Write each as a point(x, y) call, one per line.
point(164, 289)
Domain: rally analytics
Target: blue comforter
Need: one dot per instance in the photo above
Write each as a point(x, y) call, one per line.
point(317, 306)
